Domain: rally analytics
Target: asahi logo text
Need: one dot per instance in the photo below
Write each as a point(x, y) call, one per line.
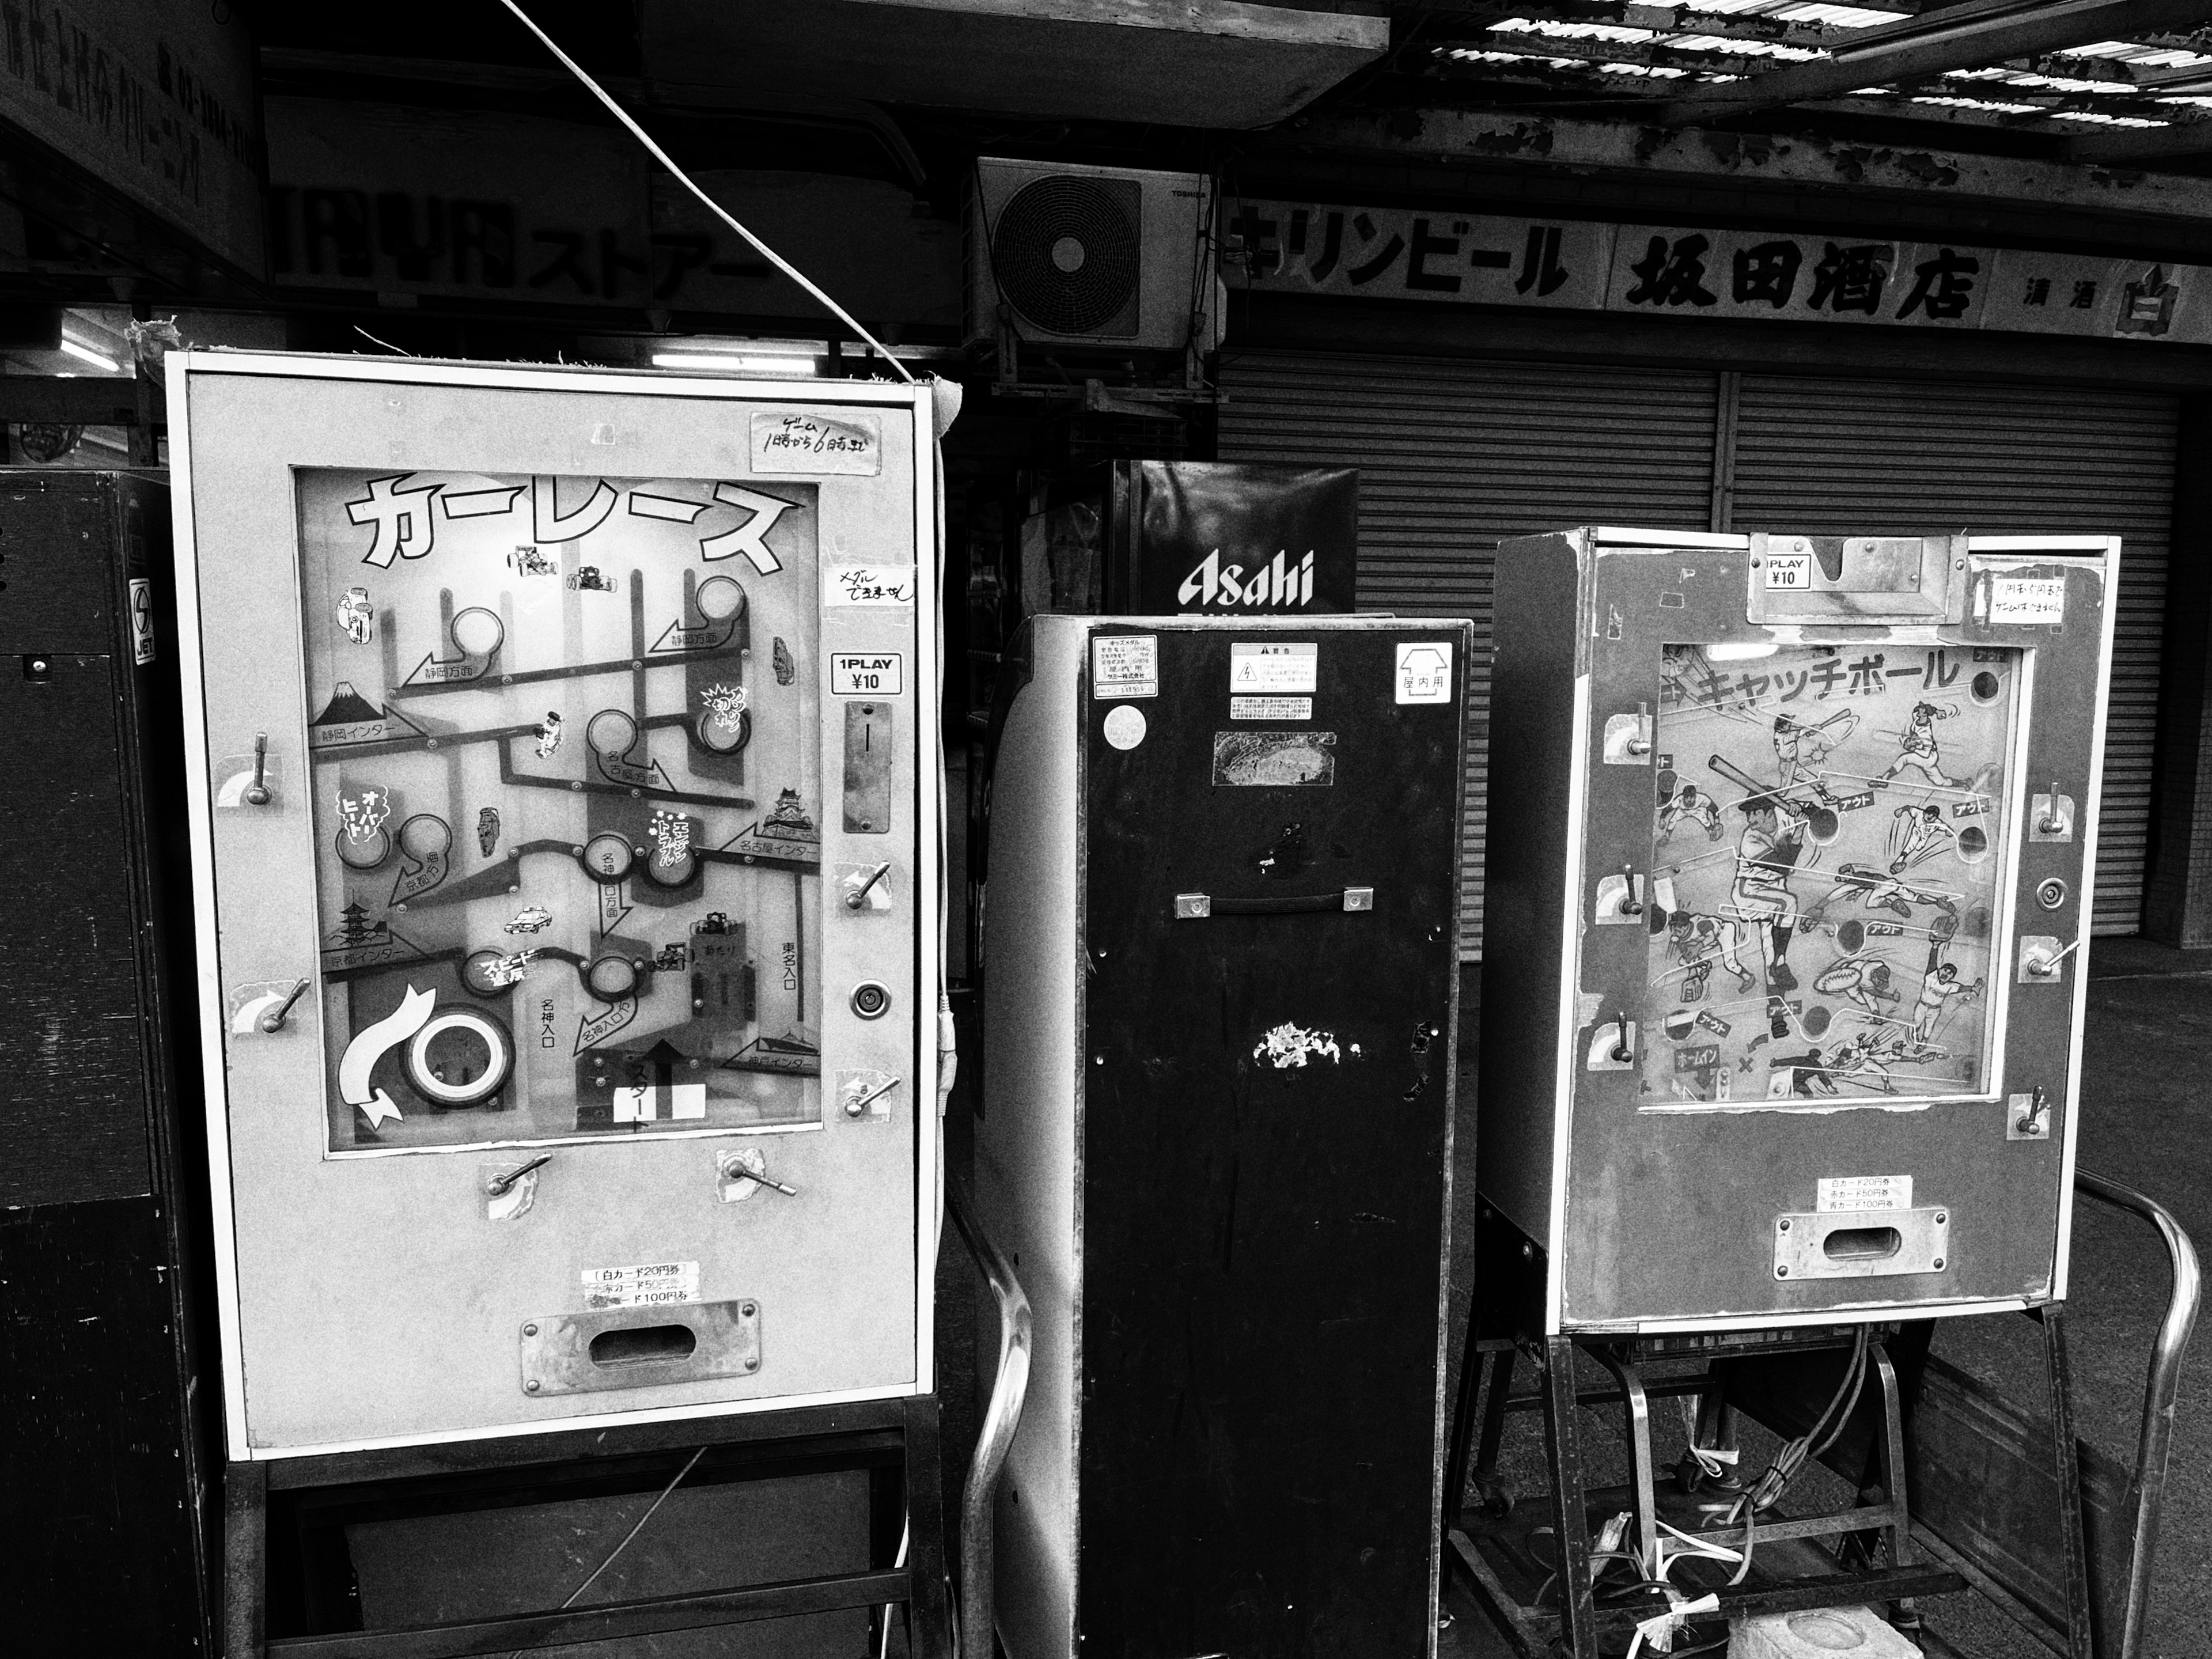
point(1279, 584)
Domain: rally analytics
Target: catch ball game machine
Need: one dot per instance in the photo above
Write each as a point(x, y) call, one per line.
point(565, 854)
point(1789, 890)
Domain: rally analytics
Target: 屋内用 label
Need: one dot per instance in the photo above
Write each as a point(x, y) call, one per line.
point(1125, 665)
point(654, 1283)
point(1273, 666)
point(2034, 600)
point(1424, 671)
point(1865, 1193)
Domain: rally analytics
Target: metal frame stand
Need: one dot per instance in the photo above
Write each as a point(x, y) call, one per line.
point(1578, 1619)
point(295, 1509)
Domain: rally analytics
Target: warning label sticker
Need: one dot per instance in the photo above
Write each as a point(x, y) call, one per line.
point(1865, 1193)
point(1271, 666)
point(1125, 665)
point(652, 1285)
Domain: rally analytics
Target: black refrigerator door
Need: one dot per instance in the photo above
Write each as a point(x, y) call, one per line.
point(1265, 1130)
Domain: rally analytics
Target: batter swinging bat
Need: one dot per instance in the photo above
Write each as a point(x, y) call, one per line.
point(1820, 822)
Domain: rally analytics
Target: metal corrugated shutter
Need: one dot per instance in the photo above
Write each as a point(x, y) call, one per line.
point(1454, 455)
point(1831, 457)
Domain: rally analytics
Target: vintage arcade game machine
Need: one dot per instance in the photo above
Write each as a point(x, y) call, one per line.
point(566, 873)
point(1220, 976)
point(1789, 890)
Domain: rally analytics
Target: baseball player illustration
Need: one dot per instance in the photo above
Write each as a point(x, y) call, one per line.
point(1860, 1061)
point(1938, 986)
point(1766, 857)
point(1862, 980)
point(1877, 891)
point(1694, 803)
point(1918, 752)
point(1806, 1074)
point(1800, 750)
point(1698, 942)
point(1918, 834)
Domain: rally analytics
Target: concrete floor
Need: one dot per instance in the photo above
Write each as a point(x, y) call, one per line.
point(2143, 1123)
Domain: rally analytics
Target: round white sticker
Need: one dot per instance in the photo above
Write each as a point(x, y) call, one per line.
point(1125, 725)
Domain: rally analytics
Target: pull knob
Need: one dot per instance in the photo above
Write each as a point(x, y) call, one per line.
point(2051, 822)
point(257, 793)
point(2046, 965)
point(1621, 1051)
point(273, 1021)
point(1629, 906)
point(859, 896)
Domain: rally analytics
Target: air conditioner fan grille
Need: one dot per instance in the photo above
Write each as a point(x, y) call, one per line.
point(1066, 253)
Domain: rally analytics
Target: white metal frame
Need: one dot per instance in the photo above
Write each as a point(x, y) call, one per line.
point(181, 368)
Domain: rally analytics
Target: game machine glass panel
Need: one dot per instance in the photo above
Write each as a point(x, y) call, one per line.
point(1783, 985)
point(567, 741)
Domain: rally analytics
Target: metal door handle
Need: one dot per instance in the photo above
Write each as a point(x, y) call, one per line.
point(1197, 907)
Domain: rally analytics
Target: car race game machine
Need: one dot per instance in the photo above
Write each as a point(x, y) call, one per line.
point(566, 873)
point(1788, 889)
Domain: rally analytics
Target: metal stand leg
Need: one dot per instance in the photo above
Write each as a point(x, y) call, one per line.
point(1639, 1452)
point(245, 1560)
point(1899, 1532)
point(2068, 1472)
point(1462, 1427)
point(1563, 1436)
point(1494, 1424)
point(929, 1607)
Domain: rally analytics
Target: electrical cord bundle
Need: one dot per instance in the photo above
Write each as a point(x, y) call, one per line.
point(1766, 1490)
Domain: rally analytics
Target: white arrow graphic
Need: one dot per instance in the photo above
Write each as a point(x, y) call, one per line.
point(369, 1046)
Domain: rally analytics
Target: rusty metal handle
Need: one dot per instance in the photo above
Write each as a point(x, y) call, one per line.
point(979, 1498)
point(2156, 1444)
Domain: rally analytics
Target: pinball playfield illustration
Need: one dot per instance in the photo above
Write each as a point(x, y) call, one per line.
point(1825, 849)
point(565, 814)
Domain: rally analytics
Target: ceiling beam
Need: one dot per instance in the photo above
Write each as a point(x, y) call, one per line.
point(1970, 35)
point(2139, 144)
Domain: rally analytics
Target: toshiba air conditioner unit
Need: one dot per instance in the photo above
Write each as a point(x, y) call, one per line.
point(1090, 256)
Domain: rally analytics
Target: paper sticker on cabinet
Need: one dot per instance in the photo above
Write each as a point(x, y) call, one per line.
point(1865, 1193)
point(1425, 671)
point(1125, 725)
point(1125, 665)
point(1271, 709)
point(1273, 666)
point(2030, 600)
point(795, 440)
point(867, 673)
point(651, 1285)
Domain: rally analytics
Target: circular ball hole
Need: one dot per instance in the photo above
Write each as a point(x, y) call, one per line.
point(1985, 686)
point(425, 837)
point(665, 872)
point(461, 1057)
point(718, 738)
point(609, 857)
point(363, 852)
point(1850, 938)
point(1973, 843)
point(482, 974)
point(611, 978)
point(719, 599)
point(611, 733)
point(1815, 1021)
point(478, 632)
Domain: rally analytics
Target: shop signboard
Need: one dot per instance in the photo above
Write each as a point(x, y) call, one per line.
point(156, 102)
point(1428, 255)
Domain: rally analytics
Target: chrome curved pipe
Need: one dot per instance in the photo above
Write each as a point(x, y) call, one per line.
point(979, 1498)
point(2155, 1442)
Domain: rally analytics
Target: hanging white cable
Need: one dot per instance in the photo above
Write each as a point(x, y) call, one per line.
point(712, 205)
